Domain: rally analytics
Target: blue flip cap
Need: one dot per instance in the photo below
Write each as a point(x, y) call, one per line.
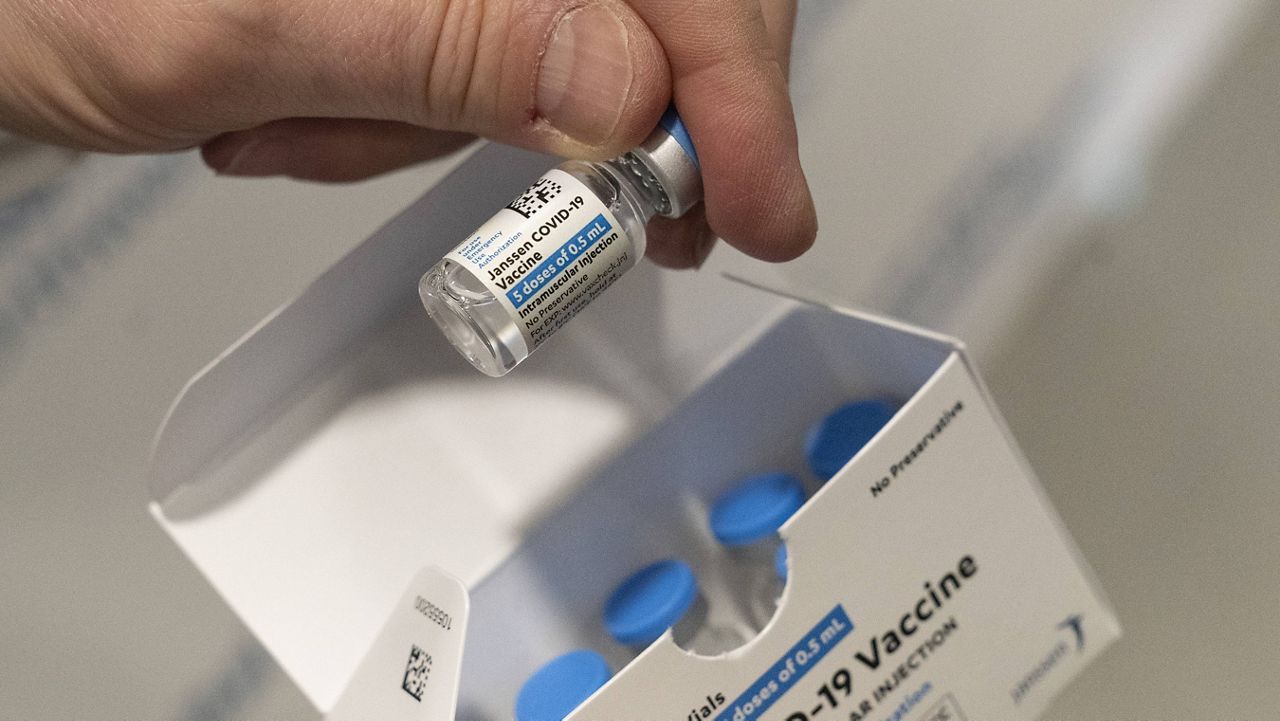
point(556, 689)
point(780, 562)
point(645, 605)
point(754, 509)
point(838, 437)
point(671, 122)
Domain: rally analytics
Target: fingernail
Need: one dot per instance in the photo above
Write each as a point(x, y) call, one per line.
point(702, 251)
point(251, 159)
point(585, 75)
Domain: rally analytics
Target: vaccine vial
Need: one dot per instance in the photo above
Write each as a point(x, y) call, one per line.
point(561, 685)
point(837, 438)
point(745, 520)
point(661, 596)
point(524, 274)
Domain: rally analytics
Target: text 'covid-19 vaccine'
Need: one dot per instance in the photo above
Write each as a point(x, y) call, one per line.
point(524, 274)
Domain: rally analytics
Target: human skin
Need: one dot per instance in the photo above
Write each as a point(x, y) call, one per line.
point(339, 90)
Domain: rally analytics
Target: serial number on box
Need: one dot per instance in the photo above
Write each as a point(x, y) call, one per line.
point(434, 613)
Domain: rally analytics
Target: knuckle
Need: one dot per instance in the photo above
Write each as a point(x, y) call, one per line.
point(450, 55)
point(480, 59)
point(175, 70)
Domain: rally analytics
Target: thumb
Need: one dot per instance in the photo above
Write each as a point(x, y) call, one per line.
point(583, 78)
point(601, 79)
point(571, 78)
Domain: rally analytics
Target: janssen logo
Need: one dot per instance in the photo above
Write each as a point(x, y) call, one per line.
point(1070, 635)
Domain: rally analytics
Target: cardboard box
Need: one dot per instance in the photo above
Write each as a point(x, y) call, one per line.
point(316, 468)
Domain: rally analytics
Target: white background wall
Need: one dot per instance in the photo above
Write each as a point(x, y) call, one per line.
point(1142, 383)
point(980, 167)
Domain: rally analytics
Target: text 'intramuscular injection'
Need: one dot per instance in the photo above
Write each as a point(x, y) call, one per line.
point(524, 274)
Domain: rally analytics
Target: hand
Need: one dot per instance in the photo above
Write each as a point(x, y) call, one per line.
point(338, 90)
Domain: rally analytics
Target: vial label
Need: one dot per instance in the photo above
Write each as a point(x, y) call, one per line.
point(548, 254)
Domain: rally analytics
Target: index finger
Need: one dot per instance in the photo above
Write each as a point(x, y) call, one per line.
point(731, 89)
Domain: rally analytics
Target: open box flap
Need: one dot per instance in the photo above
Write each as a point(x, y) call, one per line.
point(690, 319)
point(217, 407)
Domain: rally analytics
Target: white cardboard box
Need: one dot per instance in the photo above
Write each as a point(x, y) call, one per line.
point(316, 467)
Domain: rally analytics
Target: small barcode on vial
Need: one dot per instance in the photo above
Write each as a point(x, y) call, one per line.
point(536, 197)
point(416, 672)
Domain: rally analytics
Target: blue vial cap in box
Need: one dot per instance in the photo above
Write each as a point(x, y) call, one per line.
point(838, 437)
point(754, 509)
point(649, 602)
point(780, 562)
point(557, 688)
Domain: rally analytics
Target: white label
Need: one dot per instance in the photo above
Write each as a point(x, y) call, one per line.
point(548, 254)
point(411, 671)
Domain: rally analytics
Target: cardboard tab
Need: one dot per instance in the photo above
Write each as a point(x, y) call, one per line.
point(411, 673)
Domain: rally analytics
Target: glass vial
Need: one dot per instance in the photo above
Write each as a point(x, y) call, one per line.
point(524, 274)
point(561, 685)
point(745, 520)
point(661, 596)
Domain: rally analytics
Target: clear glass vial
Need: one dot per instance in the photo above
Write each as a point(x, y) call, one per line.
point(561, 685)
point(745, 520)
point(661, 596)
point(523, 275)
